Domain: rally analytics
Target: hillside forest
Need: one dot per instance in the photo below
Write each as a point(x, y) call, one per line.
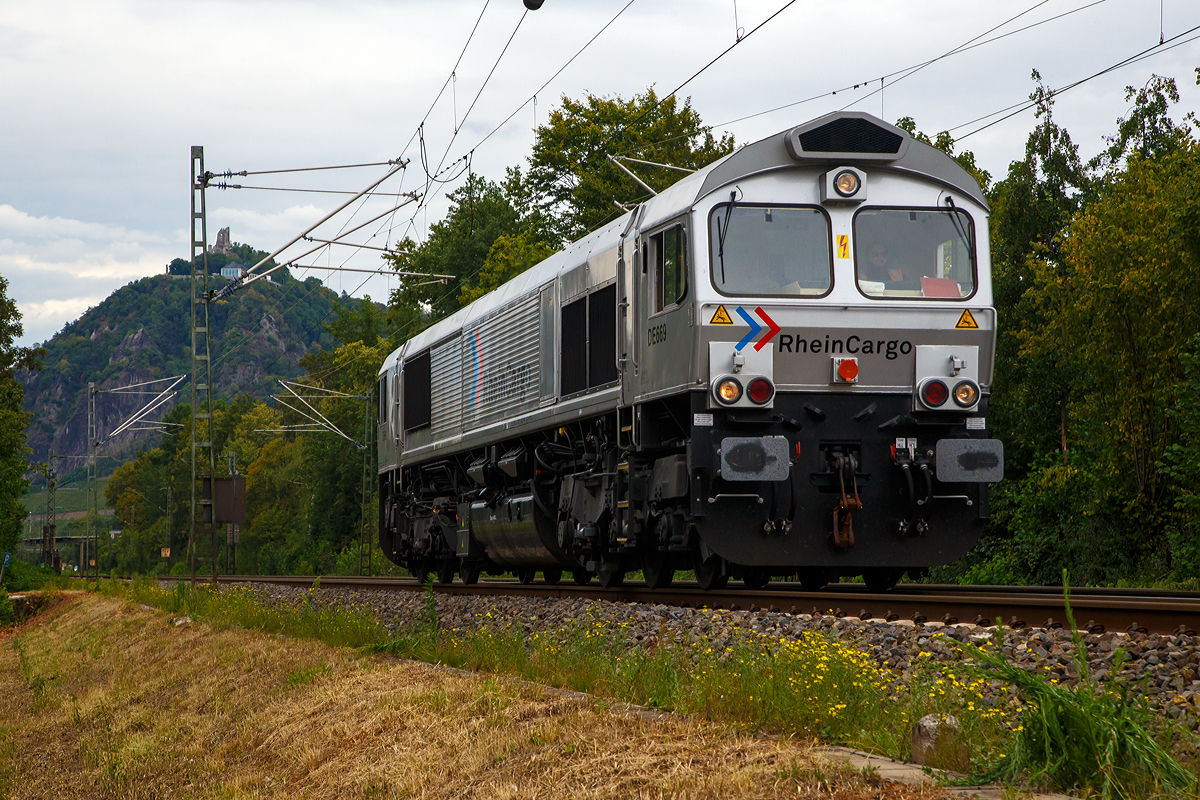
point(1096, 273)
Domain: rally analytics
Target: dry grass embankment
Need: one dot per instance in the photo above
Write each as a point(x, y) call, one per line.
point(101, 697)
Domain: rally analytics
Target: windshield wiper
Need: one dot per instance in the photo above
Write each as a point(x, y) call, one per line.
point(962, 230)
point(722, 234)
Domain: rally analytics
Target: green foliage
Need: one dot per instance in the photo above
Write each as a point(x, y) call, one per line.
point(7, 614)
point(1095, 272)
point(24, 577)
point(13, 463)
point(348, 562)
point(945, 142)
point(304, 619)
point(1087, 736)
point(1147, 132)
point(1181, 463)
point(573, 182)
point(480, 212)
point(508, 258)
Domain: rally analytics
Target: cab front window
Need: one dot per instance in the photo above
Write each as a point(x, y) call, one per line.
point(770, 250)
point(904, 253)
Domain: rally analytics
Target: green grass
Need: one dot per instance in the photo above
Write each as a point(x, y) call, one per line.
point(66, 499)
point(1104, 739)
point(303, 619)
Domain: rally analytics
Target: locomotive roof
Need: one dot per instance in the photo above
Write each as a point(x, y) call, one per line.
point(844, 137)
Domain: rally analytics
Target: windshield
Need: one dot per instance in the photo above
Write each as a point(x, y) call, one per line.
point(770, 250)
point(914, 253)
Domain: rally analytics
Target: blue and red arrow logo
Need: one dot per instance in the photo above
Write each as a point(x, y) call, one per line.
point(771, 328)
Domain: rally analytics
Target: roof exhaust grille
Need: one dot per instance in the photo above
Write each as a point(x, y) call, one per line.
point(851, 135)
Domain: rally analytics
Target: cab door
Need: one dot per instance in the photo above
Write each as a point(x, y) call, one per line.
point(666, 313)
point(627, 293)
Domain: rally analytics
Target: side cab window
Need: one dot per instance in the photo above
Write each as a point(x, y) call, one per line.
point(668, 256)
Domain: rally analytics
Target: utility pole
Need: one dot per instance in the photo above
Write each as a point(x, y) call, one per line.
point(204, 465)
point(170, 513)
point(231, 533)
point(92, 539)
point(48, 537)
point(366, 539)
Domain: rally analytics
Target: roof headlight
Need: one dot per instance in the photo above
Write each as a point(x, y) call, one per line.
point(729, 390)
point(966, 393)
point(846, 183)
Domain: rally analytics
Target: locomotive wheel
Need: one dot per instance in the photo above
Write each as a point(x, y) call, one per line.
point(882, 579)
point(611, 579)
point(445, 572)
point(813, 579)
point(552, 576)
point(755, 577)
point(709, 572)
point(421, 572)
point(470, 573)
point(526, 575)
point(657, 570)
point(581, 577)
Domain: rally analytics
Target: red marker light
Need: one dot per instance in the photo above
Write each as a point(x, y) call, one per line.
point(934, 393)
point(848, 369)
point(760, 390)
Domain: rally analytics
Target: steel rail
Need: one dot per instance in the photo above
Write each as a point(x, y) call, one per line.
point(1095, 609)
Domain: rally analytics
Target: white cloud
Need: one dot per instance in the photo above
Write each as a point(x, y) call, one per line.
point(251, 226)
point(54, 312)
point(59, 267)
point(14, 222)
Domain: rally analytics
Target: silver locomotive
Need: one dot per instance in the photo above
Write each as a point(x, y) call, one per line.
point(777, 366)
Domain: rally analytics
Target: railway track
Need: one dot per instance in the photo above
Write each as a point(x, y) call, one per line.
point(1095, 610)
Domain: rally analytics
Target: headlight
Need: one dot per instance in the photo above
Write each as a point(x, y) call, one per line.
point(934, 393)
point(966, 393)
point(760, 391)
point(729, 390)
point(845, 183)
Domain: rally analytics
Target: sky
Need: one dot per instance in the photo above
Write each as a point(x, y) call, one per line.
point(102, 101)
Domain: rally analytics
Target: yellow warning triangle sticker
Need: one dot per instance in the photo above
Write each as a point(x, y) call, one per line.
point(721, 317)
point(967, 320)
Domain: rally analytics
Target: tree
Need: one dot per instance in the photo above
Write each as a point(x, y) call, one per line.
point(1147, 132)
point(945, 143)
point(570, 175)
point(480, 213)
point(1096, 279)
point(508, 258)
point(1031, 209)
point(13, 419)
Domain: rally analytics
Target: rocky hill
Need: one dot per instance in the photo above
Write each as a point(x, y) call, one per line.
point(142, 332)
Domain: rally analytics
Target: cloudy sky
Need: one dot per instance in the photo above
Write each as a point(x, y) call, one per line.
point(102, 99)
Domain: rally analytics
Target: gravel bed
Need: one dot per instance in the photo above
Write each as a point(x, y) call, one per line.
point(1164, 668)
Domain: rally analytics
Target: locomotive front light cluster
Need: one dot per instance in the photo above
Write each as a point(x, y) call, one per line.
point(946, 378)
point(728, 391)
point(740, 378)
